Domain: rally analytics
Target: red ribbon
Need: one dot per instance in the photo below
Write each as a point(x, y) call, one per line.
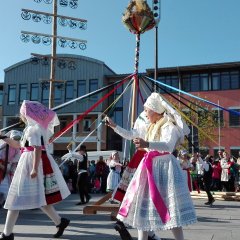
point(60, 133)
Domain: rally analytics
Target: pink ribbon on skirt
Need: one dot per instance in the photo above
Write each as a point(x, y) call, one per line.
point(155, 195)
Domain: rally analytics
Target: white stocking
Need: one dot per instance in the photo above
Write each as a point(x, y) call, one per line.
point(12, 216)
point(52, 213)
point(142, 235)
point(178, 233)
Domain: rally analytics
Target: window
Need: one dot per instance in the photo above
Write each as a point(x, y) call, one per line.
point(186, 83)
point(58, 92)
point(45, 92)
point(234, 75)
point(81, 88)
point(12, 94)
point(86, 125)
point(235, 152)
point(215, 81)
point(225, 80)
point(117, 93)
point(195, 85)
point(234, 119)
point(118, 118)
point(175, 82)
point(204, 83)
point(161, 87)
point(34, 92)
point(93, 86)
point(63, 122)
point(69, 94)
point(216, 114)
point(22, 92)
point(1, 97)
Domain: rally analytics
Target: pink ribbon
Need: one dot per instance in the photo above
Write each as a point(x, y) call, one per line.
point(29, 149)
point(146, 165)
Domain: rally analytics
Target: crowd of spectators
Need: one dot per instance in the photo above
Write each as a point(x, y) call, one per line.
point(223, 171)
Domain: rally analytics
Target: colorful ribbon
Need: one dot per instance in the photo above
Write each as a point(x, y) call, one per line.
point(189, 94)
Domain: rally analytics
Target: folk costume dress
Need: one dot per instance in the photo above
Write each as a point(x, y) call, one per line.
point(158, 197)
point(48, 187)
point(9, 156)
point(113, 178)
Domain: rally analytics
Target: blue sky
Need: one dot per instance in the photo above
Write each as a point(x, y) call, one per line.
point(190, 32)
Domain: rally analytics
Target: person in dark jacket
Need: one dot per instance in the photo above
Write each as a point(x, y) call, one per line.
point(82, 181)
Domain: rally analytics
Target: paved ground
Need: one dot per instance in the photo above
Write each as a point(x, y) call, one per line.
point(220, 222)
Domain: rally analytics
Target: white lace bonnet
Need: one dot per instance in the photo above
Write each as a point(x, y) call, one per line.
point(156, 103)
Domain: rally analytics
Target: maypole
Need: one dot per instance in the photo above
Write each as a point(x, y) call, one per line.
point(138, 18)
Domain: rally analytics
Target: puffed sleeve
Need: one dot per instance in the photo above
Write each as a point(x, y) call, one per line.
point(34, 136)
point(168, 139)
point(126, 134)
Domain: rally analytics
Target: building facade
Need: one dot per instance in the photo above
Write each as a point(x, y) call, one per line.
point(75, 76)
point(78, 75)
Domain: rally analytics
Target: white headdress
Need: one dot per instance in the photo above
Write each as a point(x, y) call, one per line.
point(159, 105)
point(153, 102)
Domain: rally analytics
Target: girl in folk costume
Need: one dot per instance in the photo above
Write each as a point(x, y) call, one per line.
point(139, 130)
point(162, 201)
point(37, 182)
point(115, 169)
point(186, 166)
point(9, 157)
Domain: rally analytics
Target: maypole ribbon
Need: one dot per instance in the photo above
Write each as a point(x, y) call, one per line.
point(187, 119)
point(69, 126)
point(193, 96)
point(68, 156)
point(85, 96)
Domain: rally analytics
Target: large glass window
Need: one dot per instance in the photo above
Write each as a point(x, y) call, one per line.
point(218, 117)
point(225, 81)
point(45, 92)
point(186, 83)
point(81, 88)
point(118, 92)
point(175, 82)
point(34, 92)
point(93, 86)
point(195, 85)
point(12, 94)
point(69, 94)
point(160, 87)
point(118, 118)
point(58, 92)
point(22, 92)
point(216, 81)
point(234, 119)
point(86, 125)
point(235, 152)
point(1, 97)
point(204, 82)
point(234, 75)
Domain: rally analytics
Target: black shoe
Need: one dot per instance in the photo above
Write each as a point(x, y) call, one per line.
point(153, 237)
point(61, 227)
point(4, 237)
point(80, 203)
point(124, 234)
point(210, 202)
point(88, 198)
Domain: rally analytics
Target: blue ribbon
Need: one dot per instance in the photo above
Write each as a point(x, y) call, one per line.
point(189, 94)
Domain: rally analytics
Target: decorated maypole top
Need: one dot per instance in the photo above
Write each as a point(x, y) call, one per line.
point(138, 18)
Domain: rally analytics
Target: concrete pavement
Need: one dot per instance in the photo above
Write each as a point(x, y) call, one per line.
point(220, 222)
